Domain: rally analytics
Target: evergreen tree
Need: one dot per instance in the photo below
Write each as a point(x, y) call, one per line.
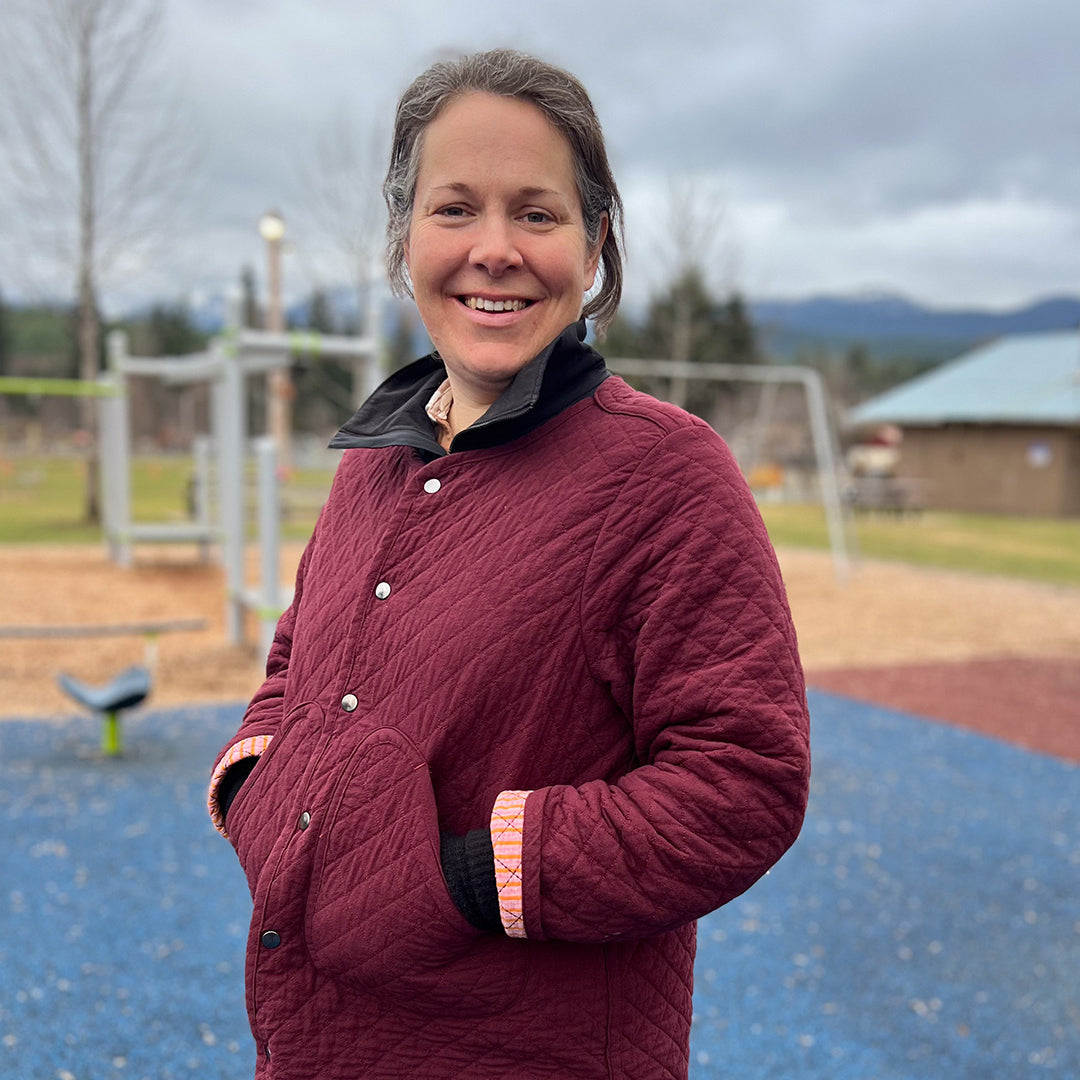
point(623, 338)
point(250, 314)
point(402, 349)
point(742, 346)
point(5, 339)
point(171, 332)
point(323, 385)
point(686, 323)
point(320, 315)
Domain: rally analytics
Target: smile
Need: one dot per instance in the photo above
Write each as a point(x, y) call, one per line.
point(478, 303)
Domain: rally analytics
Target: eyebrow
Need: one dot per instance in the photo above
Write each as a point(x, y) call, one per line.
point(461, 188)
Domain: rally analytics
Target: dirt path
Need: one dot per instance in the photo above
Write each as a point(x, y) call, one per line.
point(887, 615)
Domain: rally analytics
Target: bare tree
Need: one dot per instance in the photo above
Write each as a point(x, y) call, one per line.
point(343, 212)
point(343, 203)
point(90, 147)
point(685, 251)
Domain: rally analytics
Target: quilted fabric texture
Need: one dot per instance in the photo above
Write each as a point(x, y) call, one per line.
point(590, 613)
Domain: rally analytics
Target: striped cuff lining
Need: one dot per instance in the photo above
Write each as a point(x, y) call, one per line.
point(507, 833)
point(254, 746)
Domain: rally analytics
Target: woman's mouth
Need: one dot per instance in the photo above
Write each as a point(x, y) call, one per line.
point(479, 303)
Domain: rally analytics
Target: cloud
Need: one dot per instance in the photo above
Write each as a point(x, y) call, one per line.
point(927, 147)
point(1024, 248)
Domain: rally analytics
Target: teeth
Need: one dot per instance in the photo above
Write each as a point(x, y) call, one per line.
point(478, 303)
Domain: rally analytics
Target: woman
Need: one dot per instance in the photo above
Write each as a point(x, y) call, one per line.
point(536, 706)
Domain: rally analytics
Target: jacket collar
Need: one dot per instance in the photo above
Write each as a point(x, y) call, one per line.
point(566, 371)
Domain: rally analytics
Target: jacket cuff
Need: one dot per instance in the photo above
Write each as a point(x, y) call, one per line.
point(252, 747)
point(468, 867)
point(507, 834)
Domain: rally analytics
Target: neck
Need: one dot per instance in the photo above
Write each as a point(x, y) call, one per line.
point(469, 404)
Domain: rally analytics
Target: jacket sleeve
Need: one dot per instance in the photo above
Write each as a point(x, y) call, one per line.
point(685, 620)
point(263, 715)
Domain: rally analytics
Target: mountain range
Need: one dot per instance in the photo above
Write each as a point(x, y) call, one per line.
point(891, 325)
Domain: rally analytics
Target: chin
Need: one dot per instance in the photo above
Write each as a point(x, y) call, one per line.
point(489, 362)
point(499, 368)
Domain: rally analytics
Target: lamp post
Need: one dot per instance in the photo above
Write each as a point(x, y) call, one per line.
point(279, 385)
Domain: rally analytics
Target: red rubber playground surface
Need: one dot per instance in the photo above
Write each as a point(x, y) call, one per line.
point(1032, 702)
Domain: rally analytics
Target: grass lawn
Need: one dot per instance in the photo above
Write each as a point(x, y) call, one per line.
point(41, 500)
point(1041, 549)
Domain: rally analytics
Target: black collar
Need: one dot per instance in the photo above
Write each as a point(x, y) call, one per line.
point(565, 372)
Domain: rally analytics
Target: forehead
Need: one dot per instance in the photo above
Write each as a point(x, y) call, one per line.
point(484, 137)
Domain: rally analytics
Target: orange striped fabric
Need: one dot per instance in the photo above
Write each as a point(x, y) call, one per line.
point(507, 832)
point(245, 748)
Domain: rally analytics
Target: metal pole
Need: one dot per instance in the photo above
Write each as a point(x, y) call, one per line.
point(279, 383)
point(201, 452)
point(231, 422)
point(830, 490)
point(269, 517)
point(115, 433)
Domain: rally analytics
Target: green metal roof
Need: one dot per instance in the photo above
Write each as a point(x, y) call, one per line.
point(1023, 379)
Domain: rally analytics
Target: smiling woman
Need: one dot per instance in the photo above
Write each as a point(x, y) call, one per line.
point(497, 250)
point(536, 706)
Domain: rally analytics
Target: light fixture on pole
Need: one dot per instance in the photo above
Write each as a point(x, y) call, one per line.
point(279, 385)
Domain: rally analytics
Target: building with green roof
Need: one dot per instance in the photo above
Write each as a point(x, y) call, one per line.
point(996, 430)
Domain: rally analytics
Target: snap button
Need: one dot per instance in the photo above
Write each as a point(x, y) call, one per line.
point(271, 939)
point(382, 590)
point(304, 822)
point(431, 486)
point(349, 702)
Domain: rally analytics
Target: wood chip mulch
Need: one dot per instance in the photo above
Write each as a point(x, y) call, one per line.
point(996, 655)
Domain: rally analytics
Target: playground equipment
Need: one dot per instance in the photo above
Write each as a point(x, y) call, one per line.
point(822, 433)
point(226, 365)
point(33, 386)
point(127, 690)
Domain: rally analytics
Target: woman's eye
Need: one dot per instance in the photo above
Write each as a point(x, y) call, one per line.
point(538, 217)
point(453, 211)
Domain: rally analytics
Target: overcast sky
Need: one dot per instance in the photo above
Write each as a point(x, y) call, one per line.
point(908, 146)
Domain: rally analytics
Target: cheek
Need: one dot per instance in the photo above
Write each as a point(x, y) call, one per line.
point(429, 261)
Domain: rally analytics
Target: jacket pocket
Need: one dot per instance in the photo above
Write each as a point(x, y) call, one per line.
point(262, 808)
point(379, 916)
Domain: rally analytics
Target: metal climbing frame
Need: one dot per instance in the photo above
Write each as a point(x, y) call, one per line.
point(226, 365)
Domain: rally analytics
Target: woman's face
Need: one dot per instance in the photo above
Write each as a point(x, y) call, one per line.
point(496, 251)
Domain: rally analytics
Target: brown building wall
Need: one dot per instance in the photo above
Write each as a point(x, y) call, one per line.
point(995, 468)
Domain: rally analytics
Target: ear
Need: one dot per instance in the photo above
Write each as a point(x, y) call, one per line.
point(592, 261)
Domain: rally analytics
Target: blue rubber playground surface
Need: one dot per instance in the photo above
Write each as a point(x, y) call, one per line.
point(926, 925)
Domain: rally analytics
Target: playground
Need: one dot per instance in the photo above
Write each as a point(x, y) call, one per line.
point(923, 927)
point(994, 643)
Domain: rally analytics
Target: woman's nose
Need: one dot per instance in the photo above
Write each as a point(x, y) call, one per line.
point(494, 245)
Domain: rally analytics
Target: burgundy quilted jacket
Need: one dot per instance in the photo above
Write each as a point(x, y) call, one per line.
point(570, 629)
